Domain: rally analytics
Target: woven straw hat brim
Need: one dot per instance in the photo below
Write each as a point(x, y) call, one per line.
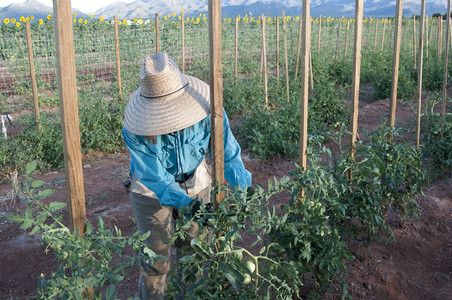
point(156, 116)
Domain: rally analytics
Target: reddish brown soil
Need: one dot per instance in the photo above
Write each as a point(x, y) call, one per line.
point(417, 266)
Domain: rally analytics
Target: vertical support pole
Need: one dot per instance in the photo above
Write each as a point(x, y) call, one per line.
point(64, 40)
point(277, 48)
point(319, 38)
point(118, 61)
point(306, 53)
point(298, 49)
point(383, 37)
point(376, 35)
point(264, 59)
point(419, 72)
point(440, 36)
point(368, 34)
point(157, 34)
point(236, 69)
point(426, 37)
point(216, 97)
point(395, 63)
point(182, 29)
point(356, 77)
point(33, 74)
point(337, 40)
point(414, 42)
point(446, 63)
point(285, 56)
point(346, 39)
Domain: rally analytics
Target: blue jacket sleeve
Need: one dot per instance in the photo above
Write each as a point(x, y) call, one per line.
point(234, 169)
point(149, 170)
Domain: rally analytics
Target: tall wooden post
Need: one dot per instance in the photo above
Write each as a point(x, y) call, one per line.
point(395, 63)
point(337, 39)
point(277, 48)
point(346, 39)
point(157, 34)
point(426, 36)
point(319, 35)
point(264, 60)
point(414, 42)
point(236, 69)
point(297, 62)
point(64, 40)
point(118, 61)
point(446, 63)
point(376, 35)
point(306, 53)
point(285, 56)
point(419, 72)
point(34, 86)
point(182, 31)
point(356, 77)
point(440, 36)
point(383, 37)
point(216, 97)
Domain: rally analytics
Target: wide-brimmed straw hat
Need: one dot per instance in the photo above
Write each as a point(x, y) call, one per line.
point(167, 100)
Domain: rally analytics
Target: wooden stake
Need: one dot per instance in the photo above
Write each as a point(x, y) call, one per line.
point(34, 86)
point(446, 63)
point(118, 61)
point(285, 56)
point(395, 62)
point(182, 29)
point(419, 72)
point(236, 69)
point(264, 60)
point(277, 48)
point(376, 34)
point(440, 36)
point(64, 40)
point(383, 37)
point(157, 34)
point(414, 42)
point(320, 35)
point(216, 98)
point(426, 37)
point(298, 49)
point(306, 50)
point(356, 77)
point(337, 40)
point(346, 39)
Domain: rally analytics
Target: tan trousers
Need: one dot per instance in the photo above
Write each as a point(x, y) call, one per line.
point(158, 219)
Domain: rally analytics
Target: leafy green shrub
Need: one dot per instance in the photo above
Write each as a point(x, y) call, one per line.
point(85, 262)
point(432, 76)
point(243, 96)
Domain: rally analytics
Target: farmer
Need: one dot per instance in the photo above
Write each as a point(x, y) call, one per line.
point(167, 131)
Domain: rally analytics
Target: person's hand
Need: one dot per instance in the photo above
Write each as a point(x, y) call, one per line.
point(197, 212)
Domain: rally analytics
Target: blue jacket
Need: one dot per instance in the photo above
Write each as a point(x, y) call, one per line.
point(157, 165)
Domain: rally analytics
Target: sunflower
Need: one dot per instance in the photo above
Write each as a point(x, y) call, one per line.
point(85, 22)
point(6, 21)
point(13, 20)
point(49, 17)
point(40, 21)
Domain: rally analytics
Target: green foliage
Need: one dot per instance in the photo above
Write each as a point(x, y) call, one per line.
point(437, 137)
point(432, 75)
point(93, 260)
point(243, 96)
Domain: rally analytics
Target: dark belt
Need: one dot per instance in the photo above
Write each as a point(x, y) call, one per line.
point(185, 177)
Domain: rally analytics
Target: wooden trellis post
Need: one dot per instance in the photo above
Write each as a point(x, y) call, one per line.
point(426, 36)
point(236, 69)
point(298, 49)
point(34, 86)
point(264, 59)
point(356, 77)
point(337, 40)
point(440, 36)
point(277, 48)
point(64, 40)
point(306, 53)
point(285, 56)
point(319, 35)
point(446, 63)
point(182, 29)
point(383, 37)
point(395, 63)
point(346, 39)
point(118, 61)
point(216, 97)
point(376, 34)
point(419, 72)
point(414, 42)
point(157, 34)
